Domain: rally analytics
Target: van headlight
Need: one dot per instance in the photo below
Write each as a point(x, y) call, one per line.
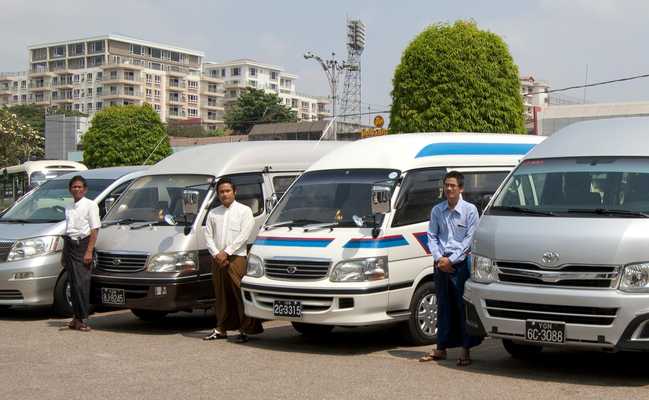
point(255, 266)
point(635, 278)
point(361, 269)
point(35, 247)
point(181, 261)
point(483, 269)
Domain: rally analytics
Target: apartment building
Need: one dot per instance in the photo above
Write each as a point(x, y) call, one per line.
point(92, 73)
point(238, 75)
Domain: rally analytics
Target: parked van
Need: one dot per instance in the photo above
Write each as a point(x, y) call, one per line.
point(347, 244)
point(561, 255)
point(31, 237)
point(152, 254)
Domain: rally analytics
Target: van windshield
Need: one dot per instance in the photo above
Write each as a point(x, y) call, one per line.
point(47, 203)
point(150, 198)
point(331, 196)
point(585, 186)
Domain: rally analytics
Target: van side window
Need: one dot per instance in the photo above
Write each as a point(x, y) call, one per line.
point(249, 192)
point(115, 195)
point(423, 189)
point(281, 184)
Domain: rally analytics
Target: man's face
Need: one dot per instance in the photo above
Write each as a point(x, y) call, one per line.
point(452, 189)
point(78, 190)
point(226, 194)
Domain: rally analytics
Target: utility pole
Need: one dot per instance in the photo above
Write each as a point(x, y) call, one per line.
point(332, 69)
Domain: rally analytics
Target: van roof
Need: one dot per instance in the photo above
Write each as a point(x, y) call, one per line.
point(597, 138)
point(231, 158)
point(104, 173)
point(418, 150)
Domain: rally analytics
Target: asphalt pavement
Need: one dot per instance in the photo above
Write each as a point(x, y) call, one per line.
point(125, 358)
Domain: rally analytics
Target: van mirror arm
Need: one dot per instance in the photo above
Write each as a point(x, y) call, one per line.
point(376, 229)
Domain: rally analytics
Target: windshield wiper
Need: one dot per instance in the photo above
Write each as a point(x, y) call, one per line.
point(279, 224)
point(146, 224)
point(321, 225)
point(609, 211)
point(18, 221)
point(126, 221)
point(523, 210)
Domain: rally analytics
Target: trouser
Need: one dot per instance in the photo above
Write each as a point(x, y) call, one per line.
point(79, 275)
point(229, 302)
point(451, 324)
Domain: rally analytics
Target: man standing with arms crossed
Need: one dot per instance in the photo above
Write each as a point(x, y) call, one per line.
point(81, 230)
point(227, 230)
point(450, 233)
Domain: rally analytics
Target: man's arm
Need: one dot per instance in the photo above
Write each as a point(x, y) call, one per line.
point(94, 221)
point(210, 228)
point(247, 224)
point(433, 237)
point(472, 225)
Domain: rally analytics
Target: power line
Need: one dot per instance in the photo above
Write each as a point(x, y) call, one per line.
point(628, 78)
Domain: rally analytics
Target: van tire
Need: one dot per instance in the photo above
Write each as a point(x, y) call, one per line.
point(312, 329)
point(149, 315)
point(423, 306)
point(520, 350)
point(62, 299)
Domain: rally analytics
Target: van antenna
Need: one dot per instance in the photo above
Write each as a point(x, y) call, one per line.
point(154, 149)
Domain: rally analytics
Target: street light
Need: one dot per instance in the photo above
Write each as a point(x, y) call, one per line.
point(332, 69)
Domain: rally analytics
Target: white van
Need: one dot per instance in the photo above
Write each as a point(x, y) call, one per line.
point(347, 244)
point(152, 255)
point(31, 237)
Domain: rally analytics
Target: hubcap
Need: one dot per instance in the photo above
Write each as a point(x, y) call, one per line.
point(68, 293)
point(427, 315)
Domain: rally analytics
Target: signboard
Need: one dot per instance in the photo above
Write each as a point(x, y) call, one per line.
point(371, 132)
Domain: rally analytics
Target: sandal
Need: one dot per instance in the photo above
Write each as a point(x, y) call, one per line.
point(435, 355)
point(215, 335)
point(83, 327)
point(73, 324)
point(464, 361)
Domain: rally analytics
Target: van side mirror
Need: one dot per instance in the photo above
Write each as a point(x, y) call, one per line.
point(380, 200)
point(271, 202)
point(190, 201)
point(108, 203)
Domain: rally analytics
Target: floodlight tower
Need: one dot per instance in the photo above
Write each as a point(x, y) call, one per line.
point(350, 101)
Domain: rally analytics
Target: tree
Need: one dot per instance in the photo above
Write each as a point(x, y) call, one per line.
point(456, 78)
point(19, 142)
point(257, 107)
point(35, 115)
point(125, 135)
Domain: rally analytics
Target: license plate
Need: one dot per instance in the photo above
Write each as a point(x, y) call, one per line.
point(287, 308)
point(546, 332)
point(113, 296)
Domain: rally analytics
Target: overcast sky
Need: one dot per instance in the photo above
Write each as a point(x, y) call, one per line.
point(553, 40)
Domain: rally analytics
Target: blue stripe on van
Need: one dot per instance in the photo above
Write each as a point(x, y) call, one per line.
point(379, 243)
point(292, 242)
point(448, 149)
point(422, 239)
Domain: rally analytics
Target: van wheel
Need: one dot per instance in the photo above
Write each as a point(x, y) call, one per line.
point(520, 350)
point(312, 329)
point(149, 315)
point(421, 327)
point(62, 296)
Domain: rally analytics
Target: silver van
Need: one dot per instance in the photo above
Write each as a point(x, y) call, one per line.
point(561, 255)
point(31, 237)
point(152, 255)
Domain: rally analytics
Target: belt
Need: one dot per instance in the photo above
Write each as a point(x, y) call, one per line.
point(75, 241)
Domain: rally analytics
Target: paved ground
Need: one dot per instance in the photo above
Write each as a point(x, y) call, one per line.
point(124, 358)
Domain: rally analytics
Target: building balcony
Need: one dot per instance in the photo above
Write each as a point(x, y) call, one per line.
point(207, 92)
point(176, 115)
point(176, 101)
point(212, 79)
point(122, 62)
point(177, 86)
point(40, 72)
point(212, 106)
point(123, 79)
point(5, 92)
point(66, 99)
point(122, 94)
point(42, 102)
point(39, 87)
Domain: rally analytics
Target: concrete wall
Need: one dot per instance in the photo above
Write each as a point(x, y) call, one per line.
point(62, 134)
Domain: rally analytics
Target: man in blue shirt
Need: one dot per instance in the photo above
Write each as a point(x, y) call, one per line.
point(450, 232)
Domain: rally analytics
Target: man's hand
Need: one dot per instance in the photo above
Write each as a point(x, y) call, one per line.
point(221, 258)
point(444, 264)
point(87, 259)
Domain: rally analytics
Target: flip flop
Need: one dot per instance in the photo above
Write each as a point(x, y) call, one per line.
point(435, 355)
point(463, 361)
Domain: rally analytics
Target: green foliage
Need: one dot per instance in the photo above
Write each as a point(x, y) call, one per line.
point(125, 135)
point(455, 78)
point(19, 142)
point(257, 107)
point(35, 115)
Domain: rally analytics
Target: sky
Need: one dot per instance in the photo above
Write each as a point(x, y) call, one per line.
point(564, 42)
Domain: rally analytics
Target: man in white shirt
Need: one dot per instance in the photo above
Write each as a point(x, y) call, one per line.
point(227, 230)
point(82, 226)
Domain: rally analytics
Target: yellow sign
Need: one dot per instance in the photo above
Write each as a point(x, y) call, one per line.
point(379, 121)
point(371, 132)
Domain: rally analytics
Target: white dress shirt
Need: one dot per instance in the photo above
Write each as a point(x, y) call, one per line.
point(81, 217)
point(228, 229)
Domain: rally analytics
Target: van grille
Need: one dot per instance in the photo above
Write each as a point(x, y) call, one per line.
point(121, 262)
point(549, 312)
point(11, 295)
point(5, 248)
point(296, 269)
point(580, 276)
point(309, 303)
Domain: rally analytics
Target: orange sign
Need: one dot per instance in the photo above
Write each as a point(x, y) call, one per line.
point(379, 121)
point(371, 132)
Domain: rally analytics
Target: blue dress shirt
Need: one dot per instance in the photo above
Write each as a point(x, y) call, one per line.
point(450, 232)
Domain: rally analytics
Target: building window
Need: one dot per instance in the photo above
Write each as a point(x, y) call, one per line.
point(89, 92)
point(157, 108)
point(273, 86)
point(99, 76)
point(192, 84)
point(149, 78)
point(75, 79)
point(192, 98)
point(273, 75)
point(156, 94)
point(99, 91)
point(157, 79)
point(99, 105)
point(233, 93)
point(235, 71)
point(96, 47)
point(192, 112)
point(252, 83)
point(89, 107)
point(149, 93)
point(253, 71)
point(223, 72)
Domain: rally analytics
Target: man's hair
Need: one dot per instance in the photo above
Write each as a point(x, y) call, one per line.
point(226, 180)
point(457, 175)
point(77, 178)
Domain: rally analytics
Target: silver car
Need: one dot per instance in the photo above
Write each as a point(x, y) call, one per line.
point(561, 255)
point(30, 237)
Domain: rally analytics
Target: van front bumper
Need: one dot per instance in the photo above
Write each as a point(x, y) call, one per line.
point(344, 306)
point(34, 290)
point(605, 319)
